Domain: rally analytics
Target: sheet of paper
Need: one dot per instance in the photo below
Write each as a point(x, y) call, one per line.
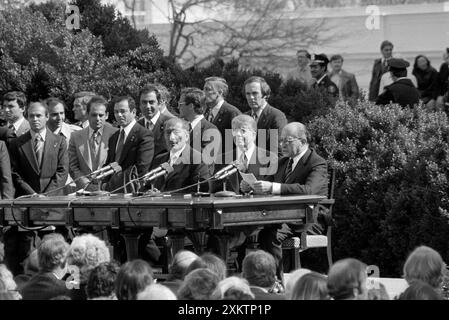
point(249, 178)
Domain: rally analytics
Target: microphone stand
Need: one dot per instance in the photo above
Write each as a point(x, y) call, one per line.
point(225, 193)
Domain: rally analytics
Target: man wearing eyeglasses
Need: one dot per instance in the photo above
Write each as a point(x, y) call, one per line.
point(301, 172)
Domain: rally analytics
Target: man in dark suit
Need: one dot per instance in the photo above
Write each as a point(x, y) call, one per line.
point(270, 121)
point(202, 133)
point(132, 145)
point(153, 119)
point(379, 68)
point(39, 165)
point(14, 104)
point(6, 184)
point(401, 91)
point(302, 172)
point(219, 112)
point(88, 148)
point(318, 67)
point(345, 81)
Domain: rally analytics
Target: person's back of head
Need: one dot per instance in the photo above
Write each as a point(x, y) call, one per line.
point(181, 262)
point(88, 251)
point(211, 262)
point(233, 288)
point(425, 264)
point(132, 278)
point(52, 253)
point(101, 280)
point(419, 290)
point(198, 285)
point(293, 277)
point(311, 286)
point(347, 280)
point(259, 268)
point(156, 292)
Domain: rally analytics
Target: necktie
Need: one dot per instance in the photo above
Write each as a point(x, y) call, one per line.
point(288, 170)
point(254, 115)
point(244, 162)
point(211, 116)
point(38, 148)
point(120, 143)
point(150, 125)
point(190, 127)
point(13, 129)
point(94, 143)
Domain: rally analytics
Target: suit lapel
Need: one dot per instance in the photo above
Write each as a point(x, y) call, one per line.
point(24, 127)
point(84, 148)
point(50, 146)
point(103, 147)
point(218, 117)
point(261, 123)
point(27, 149)
point(129, 140)
point(299, 166)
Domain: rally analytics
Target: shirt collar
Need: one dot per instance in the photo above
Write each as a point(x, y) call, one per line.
point(18, 123)
point(218, 106)
point(175, 155)
point(155, 118)
point(248, 153)
point(91, 131)
point(42, 134)
point(321, 79)
point(298, 157)
point(196, 121)
point(128, 128)
point(259, 112)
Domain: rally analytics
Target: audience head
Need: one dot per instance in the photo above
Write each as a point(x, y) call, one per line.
point(421, 63)
point(419, 290)
point(198, 285)
point(303, 56)
point(347, 280)
point(233, 288)
point(101, 281)
point(211, 262)
point(191, 103)
point(425, 264)
point(398, 67)
point(292, 279)
point(176, 133)
point(56, 113)
point(37, 114)
point(257, 91)
point(150, 101)
point(52, 254)
point(336, 62)
point(97, 111)
point(180, 264)
point(80, 104)
point(379, 292)
point(215, 90)
point(311, 286)
point(386, 47)
point(14, 104)
point(8, 287)
point(133, 278)
point(318, 65)
point(156, 292)
point(244, 131)
point(259, 268)
point(124, 110)
point(294, 139)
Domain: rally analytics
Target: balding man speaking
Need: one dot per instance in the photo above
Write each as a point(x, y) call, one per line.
point(302, 172)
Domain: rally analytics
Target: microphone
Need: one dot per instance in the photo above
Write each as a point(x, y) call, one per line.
point(115, 168)
point(233, 165)
point(227, 174)
point(165, 168)
point(105, 169)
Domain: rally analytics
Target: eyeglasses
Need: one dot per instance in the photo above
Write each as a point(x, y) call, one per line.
point(241, 131)
point(287, 140)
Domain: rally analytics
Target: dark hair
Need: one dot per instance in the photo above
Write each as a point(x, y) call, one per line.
point(101, 280)
point(97, 100)
point(196, 97)
point(132, 278)
point(151, 88)
point(337, 57)
point(259, 268)
point(18, 96)
point(264, 87)
point(385, 43)
point(398, 73)
point(415, 65)
point(131, 101)
point(198, 285)
point(52, 102)
point(419, 290)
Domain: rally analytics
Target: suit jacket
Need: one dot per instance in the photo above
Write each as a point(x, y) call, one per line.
point(138, 151)
point(261, 164)
point(7, 134)
point(188, 170)
point(158, 132)
point(270, 118)
point(378, 70)
point(402, 92)
point(27, 177)
point(309, 176)
point(203, 134)
point(44, 286)
point(328, 85)
point(80, 159)
point(7, 187)
point(348, 85)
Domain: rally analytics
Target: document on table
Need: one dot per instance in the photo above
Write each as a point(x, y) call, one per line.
point(249, 178)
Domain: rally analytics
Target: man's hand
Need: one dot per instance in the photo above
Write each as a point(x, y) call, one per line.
point(244, 186)
point(261, 187)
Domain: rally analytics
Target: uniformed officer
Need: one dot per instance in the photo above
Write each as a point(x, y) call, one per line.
point(318, 68)
point(401, 91)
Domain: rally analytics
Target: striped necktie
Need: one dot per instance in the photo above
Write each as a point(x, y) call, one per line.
point(288, 170)
point(38, 148)
point(120, 144)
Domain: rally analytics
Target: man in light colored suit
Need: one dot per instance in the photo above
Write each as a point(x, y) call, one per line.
point(345, 81)
point(14, 104)
point(88, 148)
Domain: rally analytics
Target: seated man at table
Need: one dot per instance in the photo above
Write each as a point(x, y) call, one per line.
point(300, 172)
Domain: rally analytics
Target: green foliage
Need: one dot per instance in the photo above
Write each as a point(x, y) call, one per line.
point(391, 190)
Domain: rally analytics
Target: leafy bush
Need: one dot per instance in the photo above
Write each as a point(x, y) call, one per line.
point(391, 189)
